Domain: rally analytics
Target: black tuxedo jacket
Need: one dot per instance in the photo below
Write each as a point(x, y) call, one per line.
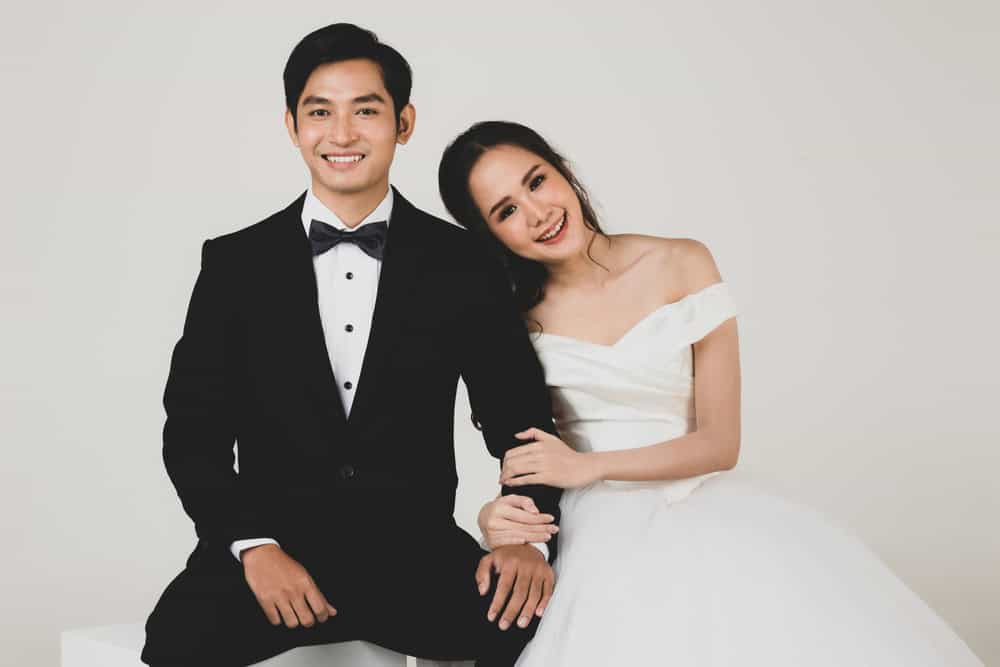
point(252, 367)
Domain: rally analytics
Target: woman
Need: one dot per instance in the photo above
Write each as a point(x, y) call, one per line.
point(662, 560)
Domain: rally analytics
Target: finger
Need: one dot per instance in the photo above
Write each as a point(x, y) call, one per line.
point(302, 610)
point(533, 432)
point(520, 450)
point(522, 516)
point(520, 466)
point(531, 604)
point(318, 604)
point(521, 536)
point(546, 596)
point(273, 617)
point(532, 478)
point(504, 585)
point(287, 615)
point(483, 574)
point(529, 533)
point(505, 539)
point(516, 602)
point(514, 501)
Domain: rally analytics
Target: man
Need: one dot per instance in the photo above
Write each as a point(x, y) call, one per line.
point(327, 342)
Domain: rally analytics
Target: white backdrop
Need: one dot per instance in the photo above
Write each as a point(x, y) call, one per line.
point(840, 159)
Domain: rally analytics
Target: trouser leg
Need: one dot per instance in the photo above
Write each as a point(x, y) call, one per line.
point(210, 617)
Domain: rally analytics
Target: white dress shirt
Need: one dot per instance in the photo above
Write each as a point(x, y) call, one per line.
point(347, 284)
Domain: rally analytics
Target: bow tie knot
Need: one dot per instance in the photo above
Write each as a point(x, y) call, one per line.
point(370, 238)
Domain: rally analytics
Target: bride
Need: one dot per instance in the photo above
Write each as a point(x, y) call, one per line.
point(663, 558)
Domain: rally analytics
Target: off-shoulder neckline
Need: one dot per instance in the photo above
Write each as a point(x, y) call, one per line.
point(635, 326)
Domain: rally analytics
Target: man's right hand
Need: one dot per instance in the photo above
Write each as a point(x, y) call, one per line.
point(283, 588)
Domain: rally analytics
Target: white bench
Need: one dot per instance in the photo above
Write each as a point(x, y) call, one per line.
point(120, 646)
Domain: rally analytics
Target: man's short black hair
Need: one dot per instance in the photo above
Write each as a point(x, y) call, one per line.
point(346, 41)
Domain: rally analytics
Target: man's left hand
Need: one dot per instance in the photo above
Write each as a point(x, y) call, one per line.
point(524, 575)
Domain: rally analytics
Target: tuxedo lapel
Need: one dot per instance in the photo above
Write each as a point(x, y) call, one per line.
point(305, 339)
point(405, 257)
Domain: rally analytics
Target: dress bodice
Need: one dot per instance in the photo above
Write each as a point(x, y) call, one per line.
point(640, 390)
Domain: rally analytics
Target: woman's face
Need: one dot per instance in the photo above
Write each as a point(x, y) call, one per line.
point(528, 205)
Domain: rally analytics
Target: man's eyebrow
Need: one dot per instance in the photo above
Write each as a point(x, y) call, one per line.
point(361, 99)
point(524, 181)
point(314, 99)
point(370, 97)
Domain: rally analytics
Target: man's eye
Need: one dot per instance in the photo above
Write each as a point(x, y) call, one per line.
point(318, 112)
point(506, 212)
point(536, 182)
point(367, 111)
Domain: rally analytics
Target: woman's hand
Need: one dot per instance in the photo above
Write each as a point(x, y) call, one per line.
point(514, 520)
point(547, 460)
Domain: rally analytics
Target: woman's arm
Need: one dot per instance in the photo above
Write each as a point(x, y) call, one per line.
point(713, 445)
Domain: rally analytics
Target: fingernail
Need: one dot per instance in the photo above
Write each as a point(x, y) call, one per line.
point(523, 622)
point(504, 625)
point(491, 616)
point(482, 589)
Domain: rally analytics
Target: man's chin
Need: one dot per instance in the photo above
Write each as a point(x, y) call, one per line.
point(347, 188)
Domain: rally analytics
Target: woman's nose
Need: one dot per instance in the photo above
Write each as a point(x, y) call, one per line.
point(539, 213)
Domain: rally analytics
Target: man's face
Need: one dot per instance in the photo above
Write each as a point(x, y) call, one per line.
point(347, 130)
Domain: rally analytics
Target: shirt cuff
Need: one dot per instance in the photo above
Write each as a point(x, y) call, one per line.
point(240, 545)
point(541, 546)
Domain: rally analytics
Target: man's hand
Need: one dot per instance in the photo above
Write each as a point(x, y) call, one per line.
point(283, 588)
point(524, 575)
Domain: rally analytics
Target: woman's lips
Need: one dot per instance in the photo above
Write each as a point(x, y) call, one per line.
point(562, 232)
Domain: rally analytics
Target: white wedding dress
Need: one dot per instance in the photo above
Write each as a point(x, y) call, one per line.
point(707, 571)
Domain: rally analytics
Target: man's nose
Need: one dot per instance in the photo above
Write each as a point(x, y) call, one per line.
point(342, 131)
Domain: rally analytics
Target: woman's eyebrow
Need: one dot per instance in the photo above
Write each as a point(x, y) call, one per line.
point(524, 181)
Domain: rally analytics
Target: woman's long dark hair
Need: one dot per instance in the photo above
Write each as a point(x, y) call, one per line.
point(527, 277)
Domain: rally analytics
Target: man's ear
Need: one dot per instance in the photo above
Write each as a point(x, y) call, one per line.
point(290, 126)
point(407, 119)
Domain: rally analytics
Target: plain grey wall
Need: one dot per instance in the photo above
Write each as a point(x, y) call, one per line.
point(840, 158)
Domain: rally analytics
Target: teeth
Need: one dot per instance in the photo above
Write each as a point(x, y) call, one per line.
point(555, 230)
point(344, 159)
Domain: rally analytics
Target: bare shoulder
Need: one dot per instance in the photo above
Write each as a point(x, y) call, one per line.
point(685, 265)
point(697, 266)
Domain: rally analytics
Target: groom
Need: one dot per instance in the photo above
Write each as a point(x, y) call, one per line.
point(327, 342)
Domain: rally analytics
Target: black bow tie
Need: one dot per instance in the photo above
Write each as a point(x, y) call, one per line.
point(370, 238)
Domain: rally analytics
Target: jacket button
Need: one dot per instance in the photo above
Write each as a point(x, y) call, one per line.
point(348, 384)
point(347, 471)
point(349, 328)
point(349, 275)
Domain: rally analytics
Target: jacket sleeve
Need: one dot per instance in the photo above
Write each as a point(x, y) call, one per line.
point(505, 380)
point(200, 428)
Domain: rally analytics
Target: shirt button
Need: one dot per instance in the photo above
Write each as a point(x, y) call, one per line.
point(349, 275)
point(348, 385)
point(349, 328)
point(346, 471)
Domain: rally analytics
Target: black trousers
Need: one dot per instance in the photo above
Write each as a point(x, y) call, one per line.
point(416, 595)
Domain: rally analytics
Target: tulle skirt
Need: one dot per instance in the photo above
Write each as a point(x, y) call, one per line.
point(729, 575)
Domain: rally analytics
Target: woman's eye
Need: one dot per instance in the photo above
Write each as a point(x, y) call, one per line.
point(506, 212)
point(536, 182)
